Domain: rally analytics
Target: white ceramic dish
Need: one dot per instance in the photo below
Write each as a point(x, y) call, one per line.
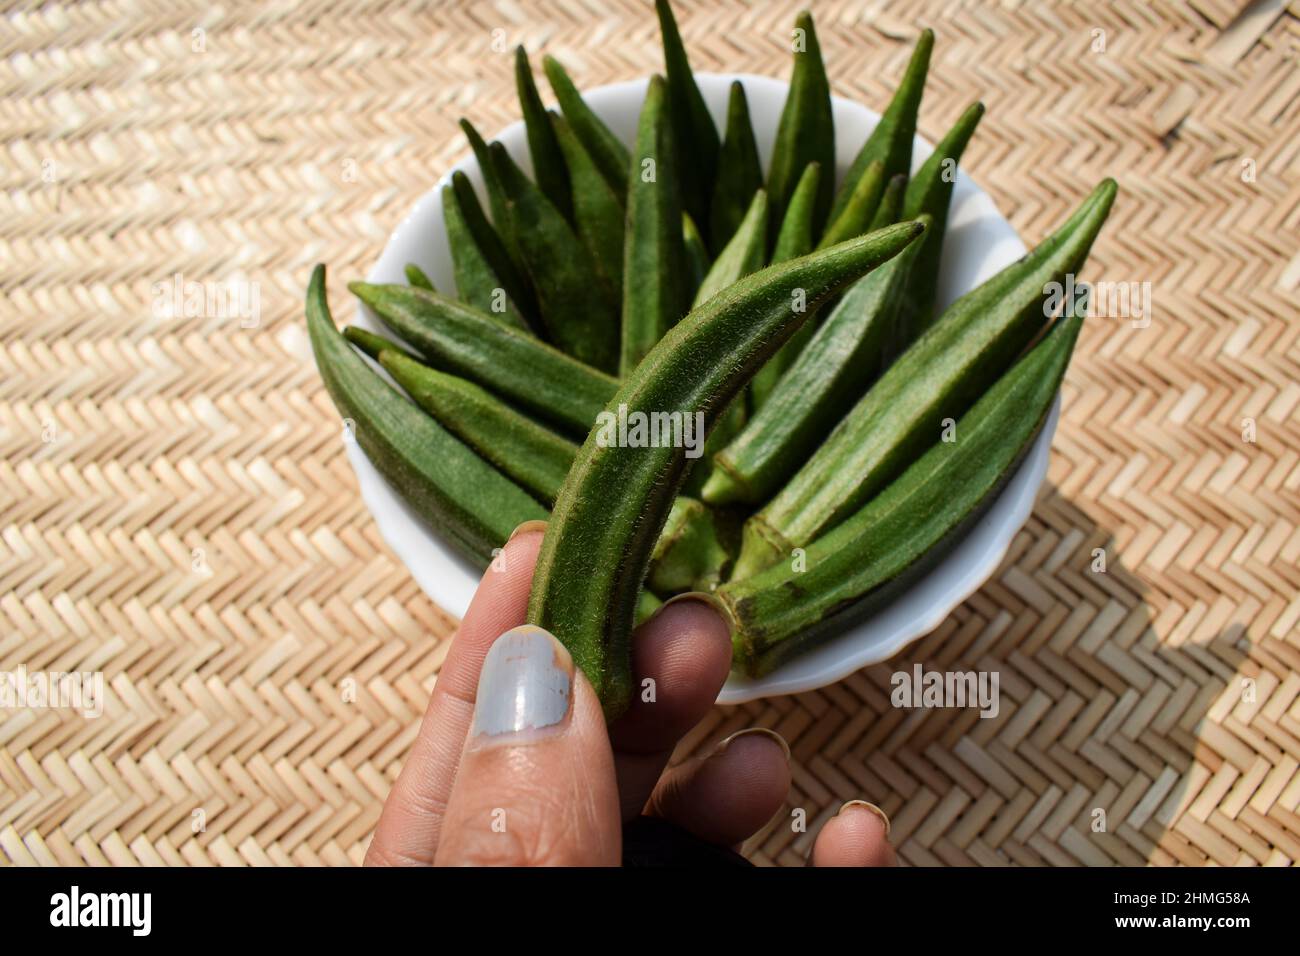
point(978, 243)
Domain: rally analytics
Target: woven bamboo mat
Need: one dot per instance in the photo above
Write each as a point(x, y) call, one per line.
point(176, 509)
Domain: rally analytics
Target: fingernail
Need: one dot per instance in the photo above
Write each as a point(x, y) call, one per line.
point(884, 818)
point(524, 686)
point(702, 597)
point(536, 524)
point(754, 731)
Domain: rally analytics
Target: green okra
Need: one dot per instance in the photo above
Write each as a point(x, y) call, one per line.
point(688, 554)
point(930, 192)
point(496, 195)
point(454, 490)
point(740, 172)
point(806, 133)
point(597, 209)
point(485, 274)
point(742, 255)
point(794, 239)
point(607, 151)
point(615, 500)
point(510, 362)
point(654, 254)
point(697, 257)
point(577, 307)
point(890, 143)
point(549, 169)
point(842, 358)
point(977, 338)
point(442, 479)
point(901, 534)
point(890, 209)
point(696, 161)
point(373, 344)
point(531, 455)
point(857, 214)
point(415, 276)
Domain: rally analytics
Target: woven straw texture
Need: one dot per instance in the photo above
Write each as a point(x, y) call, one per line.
point(176, 509)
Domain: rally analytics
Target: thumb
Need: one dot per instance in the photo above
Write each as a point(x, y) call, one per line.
point(535, 786)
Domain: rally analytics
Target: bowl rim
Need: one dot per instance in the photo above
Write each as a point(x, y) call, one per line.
point(981, 552)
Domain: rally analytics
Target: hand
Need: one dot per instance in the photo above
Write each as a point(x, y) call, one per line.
point(514, 764)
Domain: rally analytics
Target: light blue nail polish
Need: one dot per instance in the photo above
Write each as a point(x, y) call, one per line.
point(524, 685)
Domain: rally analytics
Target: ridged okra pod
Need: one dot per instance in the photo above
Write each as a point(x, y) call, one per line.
point(654, 254)
point(901, 534)
point(688, 553)
point(831, 373)
point(616, 498)
point(977, 337)
point(510, 362)
point(455, 491)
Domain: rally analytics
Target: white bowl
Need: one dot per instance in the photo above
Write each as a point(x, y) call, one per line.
point(978, 243)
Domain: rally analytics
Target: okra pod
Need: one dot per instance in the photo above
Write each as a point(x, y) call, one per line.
point(373, 344)
point(742, 255)
point(890, 209)
point(902, 533)
point(615, 499)
point(654, 255)
point(806, 133)
point(858, 212)
point(977, 338)
point(794, 239)
point(695, 164)
point(607, 151)
point(549, 169)
point(415, 276)
point(485, 275)
point(740, 172)
point(532, 456)
point(930, 192)
point(509, 362)
point(454, 490)
point(597, 209)
point(890, 142)
point(840, 361)
point(697, 257)
point(496, 195)
point(688, 553)
point(577, 307)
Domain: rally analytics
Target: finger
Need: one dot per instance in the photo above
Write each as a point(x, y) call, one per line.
point(856, 836)
point(731, 794)
point(411, 822)
point(680, 659)
point(536, 781)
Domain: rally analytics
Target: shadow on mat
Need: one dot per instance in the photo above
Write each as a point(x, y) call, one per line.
point(1089, 758)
